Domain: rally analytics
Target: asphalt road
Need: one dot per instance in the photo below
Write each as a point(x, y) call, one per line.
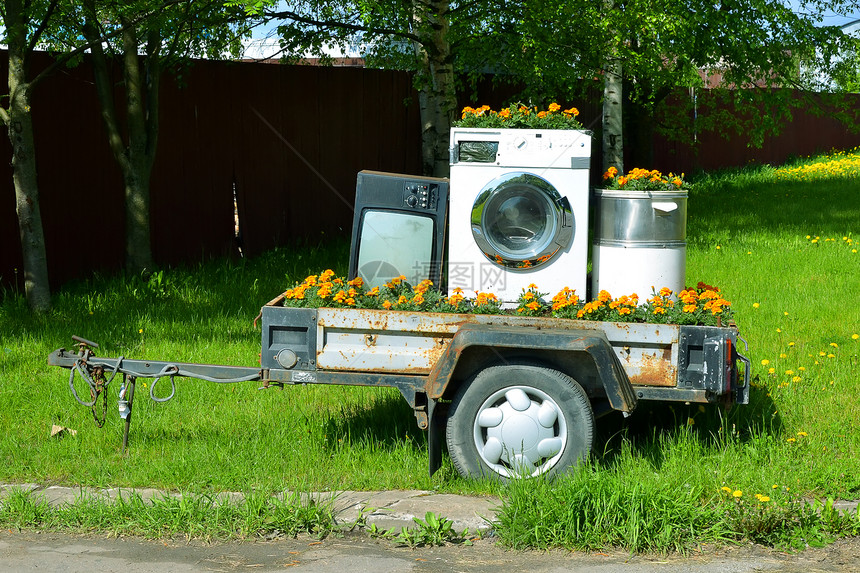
point(63, 553)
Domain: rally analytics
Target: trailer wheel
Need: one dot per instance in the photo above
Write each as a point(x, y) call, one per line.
point(519, 421)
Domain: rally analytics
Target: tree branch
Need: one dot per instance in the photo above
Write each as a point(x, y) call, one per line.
point(334, 24)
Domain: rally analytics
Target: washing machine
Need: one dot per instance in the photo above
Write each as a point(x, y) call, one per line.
point(518, 212)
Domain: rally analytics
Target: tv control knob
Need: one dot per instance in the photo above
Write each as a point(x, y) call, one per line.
point(412, 200)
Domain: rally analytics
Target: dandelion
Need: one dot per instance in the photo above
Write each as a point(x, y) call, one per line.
point(728, 489)
point(834, 345)
point(855, 336)
point(756, 305)
point(737, 493)
point(762, 498)
point(802, 434)
point(791, 440)
point(765, 362)
point(140, 331)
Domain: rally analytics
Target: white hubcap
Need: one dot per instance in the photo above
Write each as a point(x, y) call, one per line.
point(520, 431)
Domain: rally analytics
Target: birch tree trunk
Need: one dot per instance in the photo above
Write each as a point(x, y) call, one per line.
point(437, 91)
point(613, 129)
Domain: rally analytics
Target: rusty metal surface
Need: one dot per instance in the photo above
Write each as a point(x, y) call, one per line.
point(651, 368)
point(413, 342)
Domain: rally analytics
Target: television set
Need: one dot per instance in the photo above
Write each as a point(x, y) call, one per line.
point(398, 228)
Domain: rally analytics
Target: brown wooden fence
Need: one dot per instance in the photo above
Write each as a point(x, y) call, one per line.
point(288, 140)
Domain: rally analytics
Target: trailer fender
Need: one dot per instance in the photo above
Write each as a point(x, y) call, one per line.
point(501, 339)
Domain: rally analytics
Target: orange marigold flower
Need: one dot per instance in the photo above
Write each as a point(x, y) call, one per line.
point(387, 304)
point(572, 111)
point(541, 114)
point(610, 173)
point(553, 107)
point(690, 308)
point(533, 305)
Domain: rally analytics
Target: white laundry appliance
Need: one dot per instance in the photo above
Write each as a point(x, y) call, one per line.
point(518, 211)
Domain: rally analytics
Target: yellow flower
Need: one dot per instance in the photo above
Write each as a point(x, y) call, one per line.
point(855, 336)
point(765, 362)
point(802, 434)
point(728, 489)
point(762, 498)
point(756, 305)
point(737, 493)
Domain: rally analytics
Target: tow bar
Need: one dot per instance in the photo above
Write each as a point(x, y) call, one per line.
point(93, 371)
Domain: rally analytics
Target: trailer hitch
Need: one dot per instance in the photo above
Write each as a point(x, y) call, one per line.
point(98, 373)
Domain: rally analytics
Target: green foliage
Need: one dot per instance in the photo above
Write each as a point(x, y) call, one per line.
point(619, 505)
point(433, 530)
point(190, 515)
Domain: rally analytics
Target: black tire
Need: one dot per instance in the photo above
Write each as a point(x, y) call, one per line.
point(519, 421)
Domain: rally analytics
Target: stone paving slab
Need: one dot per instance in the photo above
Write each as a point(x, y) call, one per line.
point(385, 509)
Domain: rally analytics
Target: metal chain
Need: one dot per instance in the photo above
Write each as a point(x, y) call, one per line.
point(100, 387)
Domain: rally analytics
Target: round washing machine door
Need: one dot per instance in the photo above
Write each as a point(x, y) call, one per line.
point(520, 221)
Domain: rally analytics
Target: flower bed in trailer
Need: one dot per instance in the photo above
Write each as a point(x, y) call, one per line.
point(702, 305)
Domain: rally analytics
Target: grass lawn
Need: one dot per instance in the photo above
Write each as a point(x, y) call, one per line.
point(781, 244)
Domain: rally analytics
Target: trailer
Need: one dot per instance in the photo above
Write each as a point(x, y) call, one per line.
point(510, 395)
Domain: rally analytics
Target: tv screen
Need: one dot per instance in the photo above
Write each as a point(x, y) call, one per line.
point(391, 244)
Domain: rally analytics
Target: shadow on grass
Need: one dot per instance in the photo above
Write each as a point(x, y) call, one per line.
point(653, 424)
point(387, 421)
point(192, 304)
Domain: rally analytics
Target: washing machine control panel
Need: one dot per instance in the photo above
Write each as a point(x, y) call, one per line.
point(421, 195)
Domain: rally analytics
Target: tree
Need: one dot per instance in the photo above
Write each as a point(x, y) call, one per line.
point(24, 24)
point(747, 52)
point(170, 32)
